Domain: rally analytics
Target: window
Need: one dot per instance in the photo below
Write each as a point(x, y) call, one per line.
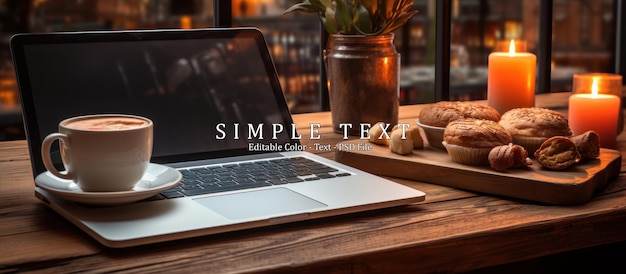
point(585, 38)
point(294, 42)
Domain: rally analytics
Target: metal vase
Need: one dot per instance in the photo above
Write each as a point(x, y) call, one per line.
point(363, 77)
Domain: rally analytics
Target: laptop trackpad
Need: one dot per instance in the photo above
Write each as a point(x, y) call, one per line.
point(267, 202)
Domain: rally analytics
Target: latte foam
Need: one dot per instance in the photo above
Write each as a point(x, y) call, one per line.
point(107, 123)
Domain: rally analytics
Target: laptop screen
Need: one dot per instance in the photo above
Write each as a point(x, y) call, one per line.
point(210, 92)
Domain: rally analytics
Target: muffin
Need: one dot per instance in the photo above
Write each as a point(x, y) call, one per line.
point(530, 127)
point(435, 117)
point(469, 141)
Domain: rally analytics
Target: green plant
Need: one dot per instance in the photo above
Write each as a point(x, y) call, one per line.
point(366, 17)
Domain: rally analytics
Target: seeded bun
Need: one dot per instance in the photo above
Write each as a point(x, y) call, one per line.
point(476, 133)
point(444, 112)
point(530, 127)
point(469, 141)
point(535, 122)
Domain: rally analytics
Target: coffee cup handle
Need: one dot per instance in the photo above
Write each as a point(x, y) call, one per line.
point(64, 140)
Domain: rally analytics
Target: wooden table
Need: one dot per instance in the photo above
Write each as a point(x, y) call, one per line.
point(451, 231)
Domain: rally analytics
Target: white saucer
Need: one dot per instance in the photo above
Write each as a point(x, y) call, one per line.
point(156, 179)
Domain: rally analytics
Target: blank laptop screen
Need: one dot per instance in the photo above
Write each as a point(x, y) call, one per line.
point(201, 93)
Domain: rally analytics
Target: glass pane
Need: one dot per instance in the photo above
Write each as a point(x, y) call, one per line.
point(583, 40)
point(584, 34)
point(477, 27)
point(294, 42)
point(416, 44)
point(76, 15)
point(10, 112)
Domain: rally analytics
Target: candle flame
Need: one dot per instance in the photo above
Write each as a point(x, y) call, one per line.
point(594, 86)
point(512, 47)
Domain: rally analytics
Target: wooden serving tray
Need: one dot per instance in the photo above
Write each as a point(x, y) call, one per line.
point(574, 185)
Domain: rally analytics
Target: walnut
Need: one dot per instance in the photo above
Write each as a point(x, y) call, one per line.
point(557, 153)
point(588, 145)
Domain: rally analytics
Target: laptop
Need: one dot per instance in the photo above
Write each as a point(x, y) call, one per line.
point(216, 102)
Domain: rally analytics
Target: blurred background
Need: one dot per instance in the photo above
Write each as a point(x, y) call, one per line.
point(583, 40)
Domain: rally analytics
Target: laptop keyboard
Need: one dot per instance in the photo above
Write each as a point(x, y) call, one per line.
point(245, 175)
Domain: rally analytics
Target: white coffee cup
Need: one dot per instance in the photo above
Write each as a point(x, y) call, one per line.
point(105, 152)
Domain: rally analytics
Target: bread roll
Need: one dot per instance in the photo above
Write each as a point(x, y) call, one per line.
point(440, 114)
point(535, 122)
point(476, 133)
point(530, 127)
point(469, 141)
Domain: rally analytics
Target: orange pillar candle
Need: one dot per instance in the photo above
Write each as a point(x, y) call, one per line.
point(597, 112)
point(607, 83)
point(511, 79)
